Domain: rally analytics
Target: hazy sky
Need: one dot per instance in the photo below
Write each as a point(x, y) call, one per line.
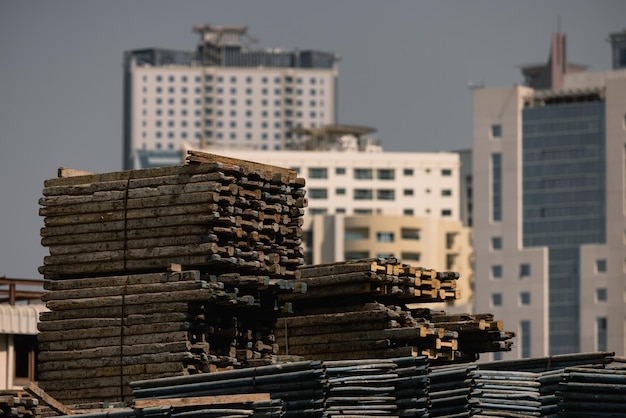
point(404, 70)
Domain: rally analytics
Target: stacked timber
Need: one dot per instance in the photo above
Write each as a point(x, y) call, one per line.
point(214, 213)
point(102, 333)
point(411, 386)
point(18, 404)
point(360, 309)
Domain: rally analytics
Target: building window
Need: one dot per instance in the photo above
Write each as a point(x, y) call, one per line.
point(496, 131)
point(496, 243)
point(446, 192)
point(340, 191)
point(601, 294)
point(408, 171)
point(362, 211)
point(524, 298)
point(410, 233)
point(384, 237)
point(25, 347)
point(524, 327)
point(496, 271)
point(601, 266)
point(363, 194)
point(385, 194)
point(446, 172)
point(356, 234)
point(363, 173)
point(601, 334)
point(409, 256)
point(317, 211)
point(450, 238)
point(450, 261)
point(340, 171)
point(408, 212)
point(318, 173)
point(386, 174)
point(496, 299)
point(524, 270)
point(408, 192)
point(318, 193)
point(496, 187)
point(340, 210)
point(446, 212)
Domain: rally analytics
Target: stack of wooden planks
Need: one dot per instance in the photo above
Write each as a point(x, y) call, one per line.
point(214, 212)
point(360, 309)
point(164, 272)
point(103, 332)
point(18, 404)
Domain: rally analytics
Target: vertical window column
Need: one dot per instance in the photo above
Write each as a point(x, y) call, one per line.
point(496, 187)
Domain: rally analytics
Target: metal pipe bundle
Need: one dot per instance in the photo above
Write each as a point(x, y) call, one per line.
point(411, 386)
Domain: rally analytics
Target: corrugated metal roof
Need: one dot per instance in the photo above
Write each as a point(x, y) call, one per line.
point(20, 319)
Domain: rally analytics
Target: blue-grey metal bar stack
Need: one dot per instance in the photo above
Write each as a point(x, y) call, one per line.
point(450, 390)
point(502, 393)
point(300, 385)
point(361, 387)
point(411, 386)
point(593, 392)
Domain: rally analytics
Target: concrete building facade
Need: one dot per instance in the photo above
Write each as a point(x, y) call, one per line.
point(222, 94)
point(549, 212)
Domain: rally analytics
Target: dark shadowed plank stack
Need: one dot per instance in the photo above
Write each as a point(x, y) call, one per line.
point(359, 309)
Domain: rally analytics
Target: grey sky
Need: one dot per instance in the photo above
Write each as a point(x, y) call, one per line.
point(404, 70)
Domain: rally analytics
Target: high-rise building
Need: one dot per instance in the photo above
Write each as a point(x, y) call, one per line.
point(549, 205)
point(222, 95)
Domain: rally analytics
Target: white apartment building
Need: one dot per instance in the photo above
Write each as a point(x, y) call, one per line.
point(223, 95)
point(549, 212)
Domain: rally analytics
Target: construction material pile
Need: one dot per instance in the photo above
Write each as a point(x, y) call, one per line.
point(122, 307)
point(361, 309)
point(228, 215)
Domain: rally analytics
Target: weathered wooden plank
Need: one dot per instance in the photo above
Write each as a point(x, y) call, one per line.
point(340, 347)
point(39, 393)
point(143, 173)
point(129, 235)
point(73, 363)
point(97, 246)
point(115, 351)
point(330, 319)
point(370, 325)
point(114, 267)
point(395, 334)
point(123, 280)
point(111, 331)
point(115, 311)
point(133, 299)
point(128, 214)
point(395, 352)
point(88, 323)
point(207, 248)
point(125, 369)
point(280, 174)
point(201, 400)
point(57, 386)
point(176, 220)
point(332, 291)
point(113, 341)
point(136, 289)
